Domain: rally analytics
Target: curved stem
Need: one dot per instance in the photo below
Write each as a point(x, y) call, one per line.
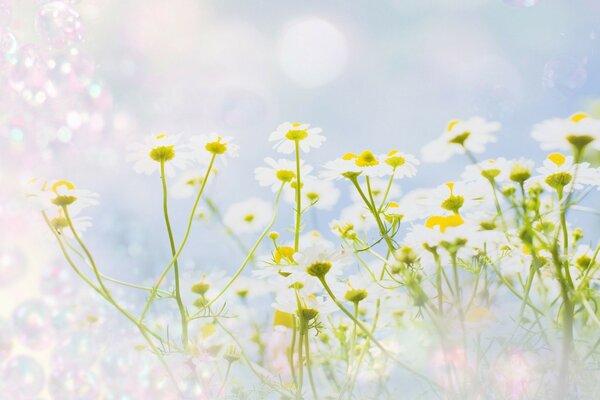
point(183, 241)
point(182, 310)
point(249, 257)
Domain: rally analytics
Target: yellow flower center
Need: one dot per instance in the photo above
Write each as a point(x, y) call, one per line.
point(312, 196)
point(365, 159)
point(452, 124)
point(162, 153)
point(577, 117)
point(283, 253)
point(557, 158)
point(319, 269)
point(63, 200)
point(444, 222)
point(394, 160)
point(282, 318)
point(296, 134)
point(285, 175)
point(216, 147)
point(460, 139)
point(249, 218)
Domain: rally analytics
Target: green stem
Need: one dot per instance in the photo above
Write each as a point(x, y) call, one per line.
point(249, 257)
point(298, 198)
point(182, 310)
point(292, 350)
point(309, 368)
point(183, 242)
point(301, 358)
point(104, 293)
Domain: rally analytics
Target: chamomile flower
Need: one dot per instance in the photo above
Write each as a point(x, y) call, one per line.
point(358, 216)
point(60, 223)
point(351, 165)
point(207, 146)
point(403, 165)
point(288, 133)
point(157, 149)
point(317, 261)
point(577, 132)
point(493, 169)
point(62, 193)
point(320, 193)
point(473, 135)
point(248, 216)
point(189, 183)
point(279, 171)
point(560, 173)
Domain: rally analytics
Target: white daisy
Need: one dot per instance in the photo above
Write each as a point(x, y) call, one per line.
point(205, 146)
point(248, 216)
point(352, 165)
point(559, 171)
point(279, 171)
point(496, 169)
point(189, 183)
point(147, 157)
point(62, 193)
point(403, 165)
point(577, 131)
point(358, 216)
point(472, 134)
point(320, 193)
point(318, 260)
point(288, 133)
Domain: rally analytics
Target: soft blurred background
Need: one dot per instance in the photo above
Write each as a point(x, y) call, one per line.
point(80, 80)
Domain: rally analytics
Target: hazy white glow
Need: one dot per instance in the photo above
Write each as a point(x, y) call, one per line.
point(312, 52)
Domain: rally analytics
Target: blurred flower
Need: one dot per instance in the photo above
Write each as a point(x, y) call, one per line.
point(472, 135)
point(322, 194)
point(577, 132)
point(280, 171)
point(248, 216)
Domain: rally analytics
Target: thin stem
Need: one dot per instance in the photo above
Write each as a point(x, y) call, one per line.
point(301, 358)
point(182, 310)
point(309, 369)
point(183, 242)
point(298, 198)
point(249, 257)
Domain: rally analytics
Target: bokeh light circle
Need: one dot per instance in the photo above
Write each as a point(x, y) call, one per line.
point(312, 52)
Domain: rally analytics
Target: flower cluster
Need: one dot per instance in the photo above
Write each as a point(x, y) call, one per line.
point(454, 287)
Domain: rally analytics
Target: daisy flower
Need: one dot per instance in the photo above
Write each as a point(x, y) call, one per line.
point(320, 193)
point(248, 216)
point(559, 172)
point(279, 171)
point(356, 215)
point(491, 169)
point(317, 260)
point(147, 157)
point(288, 133)
point(577, 131)
point(472, 135)
point(61, 225)
point(403, 165)
point(351, 165)
point(61, 193)
point(207, 146)
point(189, 183)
